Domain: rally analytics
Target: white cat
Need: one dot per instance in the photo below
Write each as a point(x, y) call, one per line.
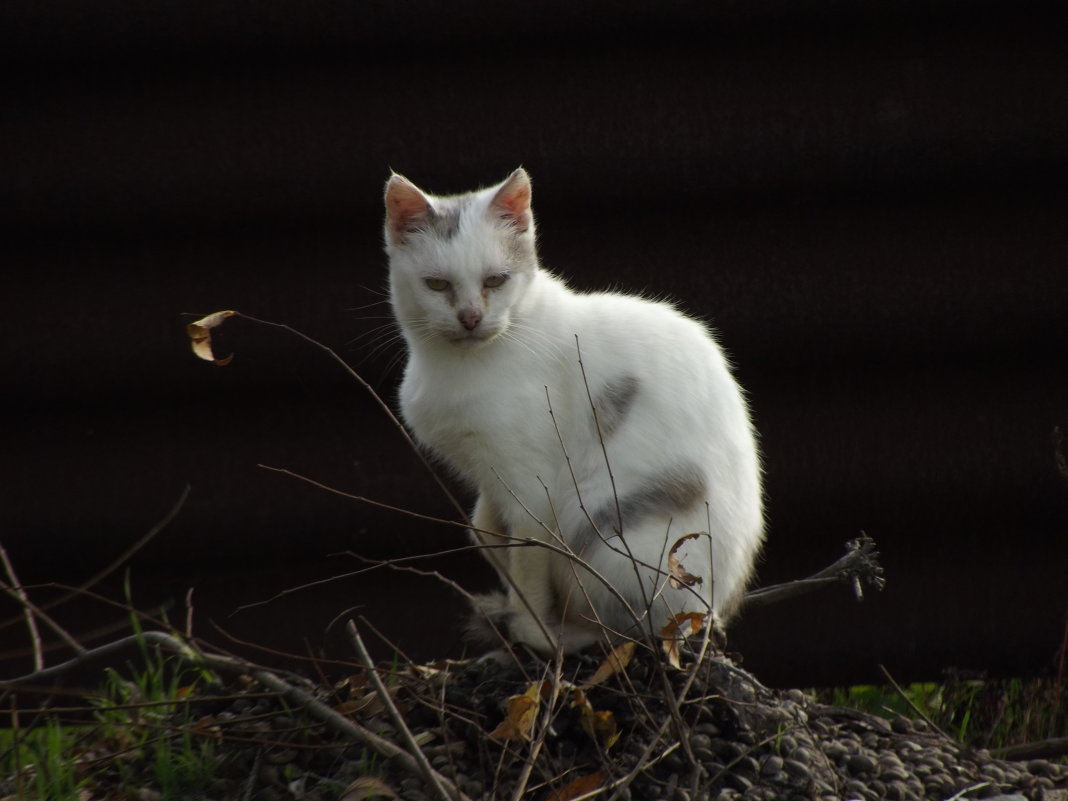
point(613, 459)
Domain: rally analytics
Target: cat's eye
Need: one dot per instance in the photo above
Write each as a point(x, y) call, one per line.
point(494, 281)
point(436, 284)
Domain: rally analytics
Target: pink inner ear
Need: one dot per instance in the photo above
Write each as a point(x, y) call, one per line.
point(404, 204)
point(513, 200)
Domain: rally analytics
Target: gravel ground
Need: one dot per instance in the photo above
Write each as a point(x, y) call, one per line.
point(739, 740)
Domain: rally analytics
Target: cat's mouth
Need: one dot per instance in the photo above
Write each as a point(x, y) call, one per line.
point(472, 339)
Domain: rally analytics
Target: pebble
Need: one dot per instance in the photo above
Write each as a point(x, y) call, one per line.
point(760, 745)
point(860, 763)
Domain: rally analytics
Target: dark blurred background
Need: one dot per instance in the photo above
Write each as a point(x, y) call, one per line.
point(866, 199)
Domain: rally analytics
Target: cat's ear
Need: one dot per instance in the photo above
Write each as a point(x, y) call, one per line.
point(406, 208)
point(512, 201)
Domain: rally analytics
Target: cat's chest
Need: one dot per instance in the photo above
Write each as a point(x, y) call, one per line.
point(478, 423)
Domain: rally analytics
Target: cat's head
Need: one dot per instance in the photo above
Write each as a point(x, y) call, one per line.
point(459, 265)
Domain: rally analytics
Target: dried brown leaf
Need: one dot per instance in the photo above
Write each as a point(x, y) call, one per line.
point(616, 662)
point(518, 724)
point(599, 724)
point(577, 788)
point(678, 577)
point(678, 628)
point(367, 787)
point(200, 336)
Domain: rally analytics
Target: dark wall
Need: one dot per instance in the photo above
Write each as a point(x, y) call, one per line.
point(866, 199)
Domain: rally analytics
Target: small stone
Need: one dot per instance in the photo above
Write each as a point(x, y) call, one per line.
point(860, 763)
point(855, 788)
point(797, 769)
point(900, 724)
point(771, 765)
point(700, 741)
point(737, 781)
point(834, 750)
point(748, 767)
point(1038, 767)
point(796, 696)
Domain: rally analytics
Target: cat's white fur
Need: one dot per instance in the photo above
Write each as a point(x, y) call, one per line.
point(494, 386)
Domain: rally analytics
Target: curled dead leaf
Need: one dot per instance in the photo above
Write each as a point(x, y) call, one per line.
point(678, 628)
point(599, 724)
point(576, 788)
point(200, 336)
point(616, 662)
point(367, 787)
point(518, 724)
point(678, 577)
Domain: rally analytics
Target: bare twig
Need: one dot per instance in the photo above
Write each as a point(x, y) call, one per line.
point(909, 701)
point(30, 609)
point(971, 788)
point(121, 559)
point(18, 592)
point(433, 778)
point(859, 564)
point(1040, 749)
point(377, 399)
point(543, 729)
point(292, 693)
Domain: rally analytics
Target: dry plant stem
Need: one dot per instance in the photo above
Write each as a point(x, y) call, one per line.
point(432, 777)
point(290, 692)
point(16, 591)
point(30, 609)
point(565, 550)
point(585, 511)
point(961, 793)
point(123, 557)
point(912, 706)
point(448, 582)
point(84, 656)
point(1041, 749)
point(377, 399)
point(856, 559)
point(543, 729)
point(676, 702)
point(466, 526)
point(646, 601)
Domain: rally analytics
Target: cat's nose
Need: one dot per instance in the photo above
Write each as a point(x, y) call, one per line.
point(469, 318)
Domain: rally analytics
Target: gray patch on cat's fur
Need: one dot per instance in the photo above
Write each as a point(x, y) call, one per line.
point(444, 223)
point(673, 491)
point(614, 402)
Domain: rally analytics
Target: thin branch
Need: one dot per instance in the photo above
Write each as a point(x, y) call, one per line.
point(543, 729)
point(30, 609)
point(433, 778)
point(859, 564)
point(909, 701)
point(1041, 749)
point(123, 557)
point(18, 592)
point(377, 399)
